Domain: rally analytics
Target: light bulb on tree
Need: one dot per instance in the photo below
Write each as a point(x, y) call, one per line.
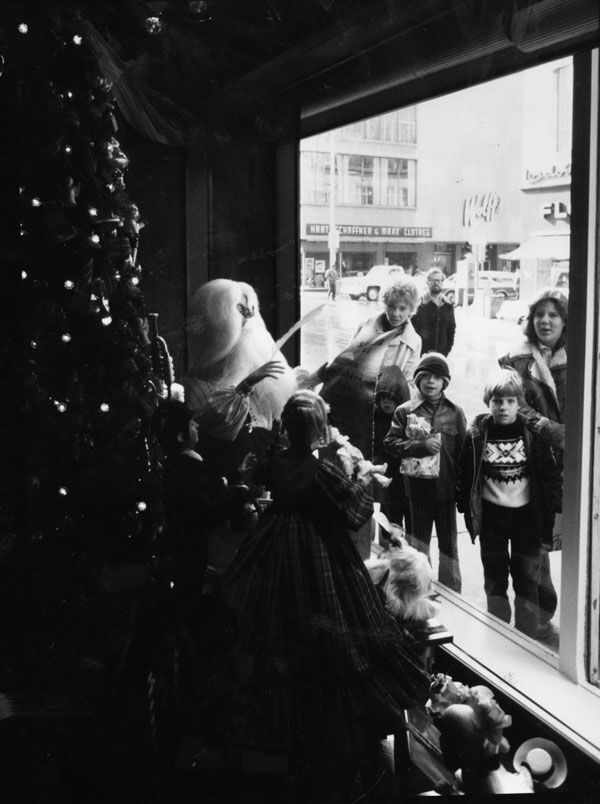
point(69, 284)
point(63, 491)
point(141, 506)
point(105, 407)
point(35, 202)
point(23, 28)
point(65, 337)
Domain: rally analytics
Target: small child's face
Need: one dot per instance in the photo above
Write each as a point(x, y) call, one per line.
point(504, 409)
point(431, 386)
point(387, 404)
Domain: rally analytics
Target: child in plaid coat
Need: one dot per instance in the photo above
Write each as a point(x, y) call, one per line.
point(321, 665)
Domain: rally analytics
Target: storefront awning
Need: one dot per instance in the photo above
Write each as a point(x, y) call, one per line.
point(541, 247)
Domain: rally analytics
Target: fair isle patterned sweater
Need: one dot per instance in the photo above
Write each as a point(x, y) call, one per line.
point(504, 464)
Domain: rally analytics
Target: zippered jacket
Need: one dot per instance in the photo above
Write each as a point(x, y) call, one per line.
point(445, 418)
point(545, 481)
point(435, 324)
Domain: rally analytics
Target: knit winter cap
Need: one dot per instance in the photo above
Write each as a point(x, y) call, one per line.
point(392, 382)
point(432, 363)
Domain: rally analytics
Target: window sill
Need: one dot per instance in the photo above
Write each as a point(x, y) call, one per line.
point(524, 671)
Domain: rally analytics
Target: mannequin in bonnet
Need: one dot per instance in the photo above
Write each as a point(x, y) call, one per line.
point(238, 380)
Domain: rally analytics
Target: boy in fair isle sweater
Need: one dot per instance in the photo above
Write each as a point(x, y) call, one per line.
point(508, 485)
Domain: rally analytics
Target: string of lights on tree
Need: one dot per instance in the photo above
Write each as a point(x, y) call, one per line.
point(91, 387)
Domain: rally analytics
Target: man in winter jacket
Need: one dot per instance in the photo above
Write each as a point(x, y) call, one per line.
point(434, 320)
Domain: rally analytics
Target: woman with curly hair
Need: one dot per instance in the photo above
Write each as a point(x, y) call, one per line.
point(353, 380)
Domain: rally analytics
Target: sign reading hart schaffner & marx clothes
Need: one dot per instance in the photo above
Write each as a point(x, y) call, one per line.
point(371, 231)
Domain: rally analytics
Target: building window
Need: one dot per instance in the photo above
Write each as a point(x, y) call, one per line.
point(315, 177)
point(359, 183)
point(359, 180)
point(398, 181)
point(355, 131)
point(373, 128)
point(398, 126)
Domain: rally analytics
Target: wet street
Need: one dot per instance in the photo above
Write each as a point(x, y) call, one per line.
point(479, 341)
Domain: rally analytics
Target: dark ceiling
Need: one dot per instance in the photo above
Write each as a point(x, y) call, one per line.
point(180, 68)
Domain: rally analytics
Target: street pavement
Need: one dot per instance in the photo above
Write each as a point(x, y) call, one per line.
point(479, 341)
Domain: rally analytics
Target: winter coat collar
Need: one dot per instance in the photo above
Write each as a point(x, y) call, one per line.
point(538, 368)
point(417, 400)
point(480, 424)
point(407, 336)
point(482, 421)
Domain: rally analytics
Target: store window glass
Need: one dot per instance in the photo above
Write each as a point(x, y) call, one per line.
point(500, 151)
point(564, 107)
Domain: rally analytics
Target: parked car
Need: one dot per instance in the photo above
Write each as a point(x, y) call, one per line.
point(502, 284)
point(376, 278)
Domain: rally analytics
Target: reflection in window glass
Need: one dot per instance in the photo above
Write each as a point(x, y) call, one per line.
point(481, 191)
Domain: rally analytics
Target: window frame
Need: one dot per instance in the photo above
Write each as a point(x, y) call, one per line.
point(371, 182)
point(581, 506)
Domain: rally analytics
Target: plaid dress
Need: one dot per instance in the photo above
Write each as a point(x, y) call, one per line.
point(319, 664)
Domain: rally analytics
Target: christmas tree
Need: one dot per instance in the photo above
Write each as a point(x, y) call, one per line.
point(91, 378)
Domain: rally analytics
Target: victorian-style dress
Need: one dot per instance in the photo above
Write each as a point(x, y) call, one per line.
point(320, 665)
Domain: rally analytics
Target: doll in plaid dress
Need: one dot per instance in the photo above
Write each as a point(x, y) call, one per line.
point(320, 665)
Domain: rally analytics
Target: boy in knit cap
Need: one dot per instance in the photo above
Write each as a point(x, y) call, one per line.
point(509, 484)
point(432, 498)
